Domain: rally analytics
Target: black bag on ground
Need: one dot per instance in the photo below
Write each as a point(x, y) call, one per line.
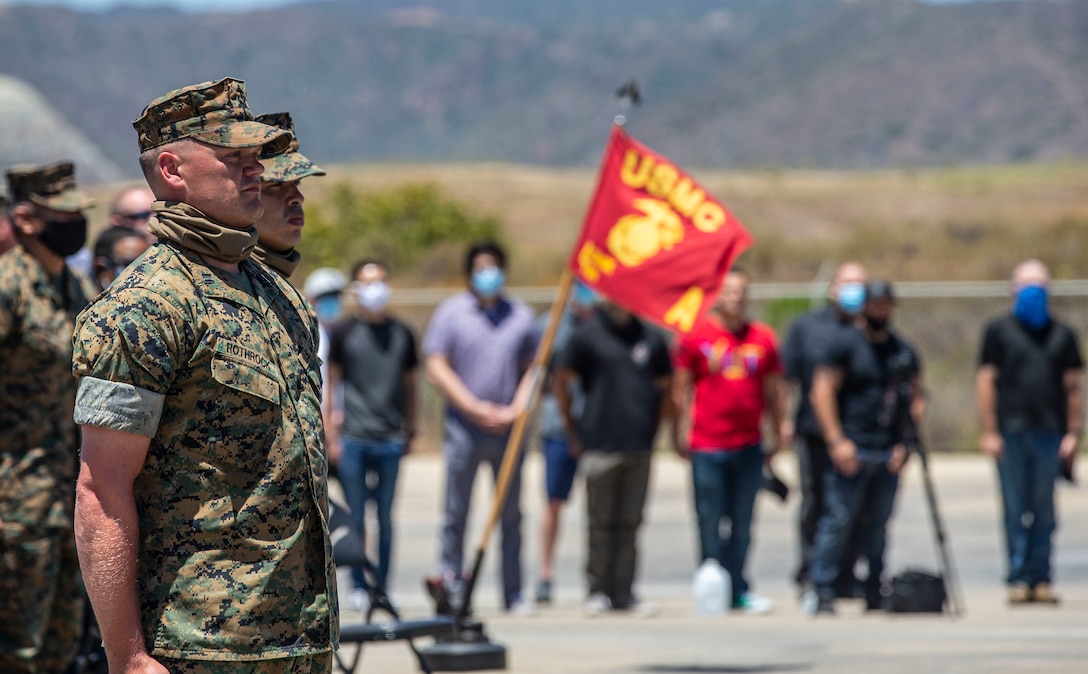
point(914, 591)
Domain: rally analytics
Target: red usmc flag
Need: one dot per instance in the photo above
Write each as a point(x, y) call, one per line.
point(653, 240)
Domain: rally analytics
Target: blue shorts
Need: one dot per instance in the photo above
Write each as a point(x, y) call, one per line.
point(559, 469)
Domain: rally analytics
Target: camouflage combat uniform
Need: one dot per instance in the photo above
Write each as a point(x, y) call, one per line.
point(220, 371)
point(234, 556)
point(41, 599)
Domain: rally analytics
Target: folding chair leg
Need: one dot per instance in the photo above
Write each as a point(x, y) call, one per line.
point(419, 656)
point(354, 661)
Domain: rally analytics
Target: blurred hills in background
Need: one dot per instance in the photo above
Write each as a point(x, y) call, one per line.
point(844, 84)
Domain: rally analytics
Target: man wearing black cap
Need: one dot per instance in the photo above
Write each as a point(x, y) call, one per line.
point(862, 393)
point(41, 603)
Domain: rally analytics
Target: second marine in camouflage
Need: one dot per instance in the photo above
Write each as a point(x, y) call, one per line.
point(280, 226)
point(41, 603)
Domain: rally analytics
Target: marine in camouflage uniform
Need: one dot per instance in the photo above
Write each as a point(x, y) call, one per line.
point(199, 395)
point(280, 226)
point(41, 600)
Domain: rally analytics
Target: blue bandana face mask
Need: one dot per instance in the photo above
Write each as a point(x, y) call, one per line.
point(851, 298)
point(1031, 307)
point(488, 282)
point(327, 308)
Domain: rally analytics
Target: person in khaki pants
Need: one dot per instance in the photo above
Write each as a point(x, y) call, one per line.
point(625, 371)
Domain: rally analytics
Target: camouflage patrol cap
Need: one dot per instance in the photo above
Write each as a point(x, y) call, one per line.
point(52, 186)
point(215, 113)
point(290, 164)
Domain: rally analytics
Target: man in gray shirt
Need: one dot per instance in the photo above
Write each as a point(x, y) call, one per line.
point(373, 355)
point(478, 347)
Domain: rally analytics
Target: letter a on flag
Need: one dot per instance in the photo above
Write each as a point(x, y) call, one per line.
point(653, 240)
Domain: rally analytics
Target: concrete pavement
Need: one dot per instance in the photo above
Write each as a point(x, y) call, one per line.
point(991, 637)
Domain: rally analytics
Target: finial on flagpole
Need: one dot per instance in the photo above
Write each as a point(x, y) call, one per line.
point(629, 95)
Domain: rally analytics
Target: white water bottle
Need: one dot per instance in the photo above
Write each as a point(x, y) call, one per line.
point(710, 589)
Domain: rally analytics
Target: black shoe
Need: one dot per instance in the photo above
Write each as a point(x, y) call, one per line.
point(875, 599)
point(849, 587)
point(815, 602)
point(544, 592)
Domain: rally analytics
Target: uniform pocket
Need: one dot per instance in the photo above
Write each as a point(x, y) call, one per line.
point(240, 368)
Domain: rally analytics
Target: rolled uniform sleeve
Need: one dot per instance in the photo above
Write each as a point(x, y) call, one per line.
point(121, 407)
point(125, 354)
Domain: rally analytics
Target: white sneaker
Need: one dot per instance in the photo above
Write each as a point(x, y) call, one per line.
point(641, 608)
point(359, 600)
point(809, 601)
point(753, 604)
point(521, 608)
point(597, 604)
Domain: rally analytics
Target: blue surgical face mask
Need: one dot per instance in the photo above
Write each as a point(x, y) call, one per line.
point(584, 296)
point(1031, 307)
point(327, 308)
point(488, 282)
point(851, 298)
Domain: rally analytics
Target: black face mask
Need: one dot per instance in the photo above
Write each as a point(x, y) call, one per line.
point(64, 237)
point(876, 324)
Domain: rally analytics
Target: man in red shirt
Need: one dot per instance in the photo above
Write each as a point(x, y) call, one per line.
point(727, 377)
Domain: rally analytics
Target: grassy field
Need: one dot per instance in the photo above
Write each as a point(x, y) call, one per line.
point(940, 224)
point(962, 223)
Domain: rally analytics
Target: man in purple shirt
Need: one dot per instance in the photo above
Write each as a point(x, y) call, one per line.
point(478, 348)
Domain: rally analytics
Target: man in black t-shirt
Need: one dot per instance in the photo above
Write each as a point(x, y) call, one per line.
point(1028, 391)
point(865, 394)
point(805, 346)
point(625, 371)
point(374, 357)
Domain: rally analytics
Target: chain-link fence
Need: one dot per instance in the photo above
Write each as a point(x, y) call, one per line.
point(943, 321)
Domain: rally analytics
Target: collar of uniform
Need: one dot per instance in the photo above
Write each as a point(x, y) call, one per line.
point(212, 284)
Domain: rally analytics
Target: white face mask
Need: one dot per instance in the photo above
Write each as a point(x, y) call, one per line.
point(373, 296)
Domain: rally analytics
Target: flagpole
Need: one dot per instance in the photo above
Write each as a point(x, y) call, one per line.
point(628, 95)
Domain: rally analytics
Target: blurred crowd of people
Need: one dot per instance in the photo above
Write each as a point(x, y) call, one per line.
point(182, 472)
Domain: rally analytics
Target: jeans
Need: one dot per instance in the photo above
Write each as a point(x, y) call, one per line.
point(616, 486)
point(864, 500)
point(368, 471)
point(1027, 471)
point(725, 486)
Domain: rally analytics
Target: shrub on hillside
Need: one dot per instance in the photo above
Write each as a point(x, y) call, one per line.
point(398, 225)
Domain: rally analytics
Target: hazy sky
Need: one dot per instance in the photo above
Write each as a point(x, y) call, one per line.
point(201, 5)
point(187, 5)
